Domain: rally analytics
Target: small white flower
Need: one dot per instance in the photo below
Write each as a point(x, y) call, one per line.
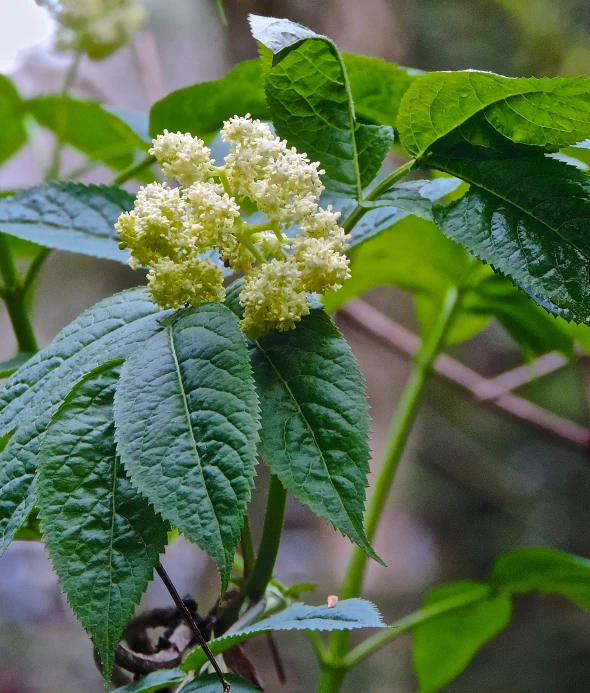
point(182, 157)
point(190, 282)
point(211, 214)
point(156, 227)
point(321, 267)
point(170, 228)
point(272, 298)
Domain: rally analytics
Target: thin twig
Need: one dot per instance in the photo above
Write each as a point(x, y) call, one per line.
point(403, 341)
point(511, 380)
point(188, 617)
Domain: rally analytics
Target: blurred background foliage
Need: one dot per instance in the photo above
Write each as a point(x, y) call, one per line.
point(473, 484)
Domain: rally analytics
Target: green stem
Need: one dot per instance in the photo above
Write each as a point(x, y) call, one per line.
point(34, 269)
point(224, 180)
point(254, 250)
point(359, 211)
point(54, 169)
point(333, 669)
point(251, 229)
point(269, 544)
point(376, 642)
point(14, 297)
point(390, 180)
point(132, 171)
point(247, 548)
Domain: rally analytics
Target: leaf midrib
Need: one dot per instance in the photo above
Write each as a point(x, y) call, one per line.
point(349, 105)
point(193, 441)
point(311, 431)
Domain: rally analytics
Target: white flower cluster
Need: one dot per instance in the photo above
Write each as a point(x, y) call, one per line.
point(97, 27)
point(170, 228)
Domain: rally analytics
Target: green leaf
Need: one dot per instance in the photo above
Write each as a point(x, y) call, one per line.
point(68, 216)
point(315, 414)
point(529, 218)
point(310, 100)
point(12, 365)
point(12, 125)
point(210, 684)
point(546, 571)
point(88, 127)
point(444, 645)
point(348, 614)
point(103, 538)
point(376, 86)
point(109, 330)
point(201, 108)
point(414, 255)
point(546, 112)
point(18, 462)
point(187, 427)
point(162, 678)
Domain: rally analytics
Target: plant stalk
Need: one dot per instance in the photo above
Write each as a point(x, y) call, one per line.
point(14, 296)
point(271, 538)
point(247, 548)
point(359, 211)
point(334, 668)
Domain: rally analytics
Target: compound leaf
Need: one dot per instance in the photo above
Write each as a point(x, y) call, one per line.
point(68, 216)
point(12, 124)
point(544, 570)
point(545, 112)
point(109, 330)
point(348, 614)
point(528, 217)
point(187, 426)
point(310, 101)
point(103, 538)
point(444, 645)
point(316, 427)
